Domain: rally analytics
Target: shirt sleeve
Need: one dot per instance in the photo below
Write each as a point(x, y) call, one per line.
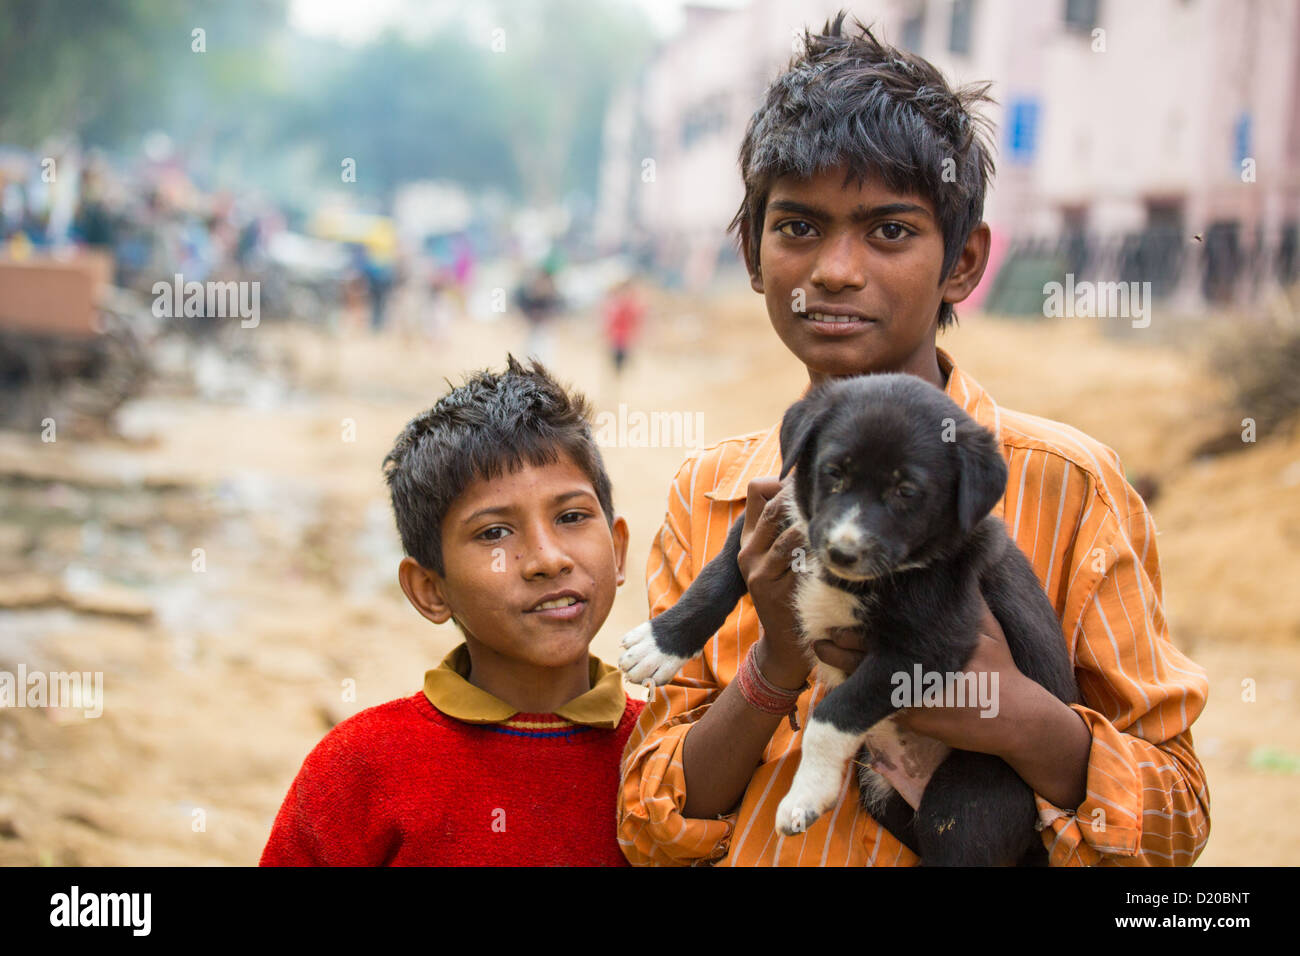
point(651, 827)
point(1146, 803)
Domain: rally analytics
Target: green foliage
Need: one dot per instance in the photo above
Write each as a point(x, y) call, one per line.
point(268, 107)
point(111, 69)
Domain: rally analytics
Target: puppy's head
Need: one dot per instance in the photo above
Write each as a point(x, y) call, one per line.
point(890, 473)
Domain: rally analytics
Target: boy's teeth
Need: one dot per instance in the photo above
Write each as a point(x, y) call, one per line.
point(823, 317)
point(558, 602)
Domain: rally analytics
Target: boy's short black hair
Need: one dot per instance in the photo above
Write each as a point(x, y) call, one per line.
point(491, 425)
point(882, 111)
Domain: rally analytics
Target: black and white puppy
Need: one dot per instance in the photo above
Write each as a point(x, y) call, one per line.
point(893, 485)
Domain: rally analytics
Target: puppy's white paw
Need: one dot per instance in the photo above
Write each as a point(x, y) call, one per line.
point(643, 660)
point(816, 786)
point(799, 810)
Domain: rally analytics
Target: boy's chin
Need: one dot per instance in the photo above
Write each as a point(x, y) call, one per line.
point(834, 359)
point(559, 650)
point(822, 363)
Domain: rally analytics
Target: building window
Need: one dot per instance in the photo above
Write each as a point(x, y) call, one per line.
point(913, 29)
point(703, 119)
point(1022, 130)
point(1081, 15)
point(1240, 141)
point(963, 15)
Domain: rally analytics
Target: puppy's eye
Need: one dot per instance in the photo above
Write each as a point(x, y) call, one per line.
point(835, 482)
point(906, 490)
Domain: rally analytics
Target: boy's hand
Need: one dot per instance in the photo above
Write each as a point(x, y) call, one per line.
point(989, 727)
point(765, 559)
point(964, 728)
point(843, 648)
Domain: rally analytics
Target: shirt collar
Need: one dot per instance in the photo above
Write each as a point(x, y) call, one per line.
point(447, 687)
point(762, 454)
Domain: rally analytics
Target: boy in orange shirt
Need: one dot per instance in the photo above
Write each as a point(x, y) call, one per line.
point(861, 227)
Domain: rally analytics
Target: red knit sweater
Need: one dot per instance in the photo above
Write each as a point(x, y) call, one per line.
point(403, 784)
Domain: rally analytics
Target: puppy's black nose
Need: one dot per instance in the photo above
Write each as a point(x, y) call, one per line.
point(840, 556)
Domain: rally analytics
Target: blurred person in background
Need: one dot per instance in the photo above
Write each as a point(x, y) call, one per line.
point(538, 299)
point(624, 312)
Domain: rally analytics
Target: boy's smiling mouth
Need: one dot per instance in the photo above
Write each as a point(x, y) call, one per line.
point(561, 605)
point(836, 320)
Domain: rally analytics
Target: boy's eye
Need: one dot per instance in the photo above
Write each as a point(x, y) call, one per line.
point(490, 533)
point(575, 516)
point(892, 230)
point(795, 228)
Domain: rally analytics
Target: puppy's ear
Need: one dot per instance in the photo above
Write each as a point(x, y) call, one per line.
point(981, 473)
point(801, 419)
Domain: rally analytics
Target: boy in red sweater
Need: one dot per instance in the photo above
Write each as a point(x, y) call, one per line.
point(510, 753)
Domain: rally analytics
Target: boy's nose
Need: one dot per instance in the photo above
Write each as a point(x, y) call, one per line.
point(839, 263)
point(546, 557)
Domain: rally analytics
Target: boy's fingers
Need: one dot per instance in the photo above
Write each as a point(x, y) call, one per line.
point(840, 657)
point(760, 528)
point(782, 550)
point(844, 647)
point(755, 501)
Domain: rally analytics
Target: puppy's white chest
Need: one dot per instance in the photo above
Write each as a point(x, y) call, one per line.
point(820, 607)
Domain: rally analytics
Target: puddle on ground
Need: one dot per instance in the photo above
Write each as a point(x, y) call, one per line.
point(188, 558)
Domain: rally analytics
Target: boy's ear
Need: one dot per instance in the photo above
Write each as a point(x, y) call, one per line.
point(424, 589)
point(619, 530)
point(753, 268)
point(969, 267)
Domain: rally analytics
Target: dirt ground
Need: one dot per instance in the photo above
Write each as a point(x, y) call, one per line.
point(228, 561)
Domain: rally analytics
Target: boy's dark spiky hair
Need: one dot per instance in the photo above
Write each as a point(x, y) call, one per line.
point(492, 424)
point(883, 112)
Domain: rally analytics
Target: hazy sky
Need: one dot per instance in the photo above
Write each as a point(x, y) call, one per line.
point(358, 22)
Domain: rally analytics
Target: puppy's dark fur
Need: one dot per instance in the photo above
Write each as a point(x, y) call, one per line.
point(893, 485)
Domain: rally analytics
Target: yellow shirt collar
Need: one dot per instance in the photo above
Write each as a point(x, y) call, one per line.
point(447, 687)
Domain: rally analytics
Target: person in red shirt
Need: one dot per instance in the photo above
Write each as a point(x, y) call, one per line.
point(509, 755)
point(624, 311)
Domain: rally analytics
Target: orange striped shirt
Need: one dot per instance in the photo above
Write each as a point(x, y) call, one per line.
point(1092, 543)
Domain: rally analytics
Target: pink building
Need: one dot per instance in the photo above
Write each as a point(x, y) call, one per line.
point(1124, 131)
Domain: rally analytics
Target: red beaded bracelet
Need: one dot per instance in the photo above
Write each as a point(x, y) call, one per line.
point(763, 695)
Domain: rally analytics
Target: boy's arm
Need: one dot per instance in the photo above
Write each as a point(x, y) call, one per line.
point(327, 817)
point(652, 828)
point(1146, 801)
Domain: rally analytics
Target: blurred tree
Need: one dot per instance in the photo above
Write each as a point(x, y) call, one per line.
point(561, 62)
point(109, 70)
point(514, 97)
point(509, 94)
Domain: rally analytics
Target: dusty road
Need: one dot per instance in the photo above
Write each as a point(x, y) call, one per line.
point(230, 565)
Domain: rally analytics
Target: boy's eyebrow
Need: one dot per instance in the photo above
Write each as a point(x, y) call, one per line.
point(859, 213)
point(506, 509)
